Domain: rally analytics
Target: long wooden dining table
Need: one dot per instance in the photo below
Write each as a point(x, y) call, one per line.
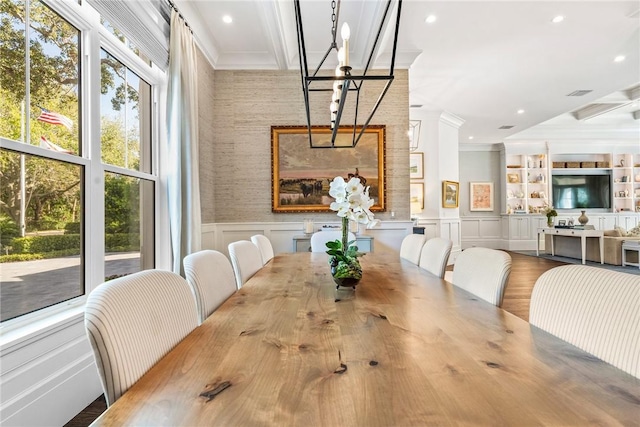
point(406, 348)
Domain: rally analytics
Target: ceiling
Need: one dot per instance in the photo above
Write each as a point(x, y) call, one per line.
point(480, 60)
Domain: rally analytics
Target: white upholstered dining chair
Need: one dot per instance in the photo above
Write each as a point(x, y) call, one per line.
point(595, 309)
point(435, 254)
point(245, 259)
point(264, 245)
point(411, 247)
point(319, 240)
point(133, 321)
point(212, 281)
point(484, 272)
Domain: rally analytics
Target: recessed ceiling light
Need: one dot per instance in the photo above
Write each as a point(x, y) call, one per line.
point(431, 19)
point(619, 58)
point(557, 19)
point(520, 111)
point(227, 19)
point(471, 137)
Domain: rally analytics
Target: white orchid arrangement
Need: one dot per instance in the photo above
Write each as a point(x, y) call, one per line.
point(352, 201)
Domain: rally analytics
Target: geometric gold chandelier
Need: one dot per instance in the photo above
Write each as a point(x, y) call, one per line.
point(343, 81)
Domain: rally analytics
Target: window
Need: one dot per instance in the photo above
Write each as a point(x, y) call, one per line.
point(52, 198)
point(125, 128)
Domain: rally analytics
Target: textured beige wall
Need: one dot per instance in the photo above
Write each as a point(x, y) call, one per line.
point(205, 137)
point(237, 110)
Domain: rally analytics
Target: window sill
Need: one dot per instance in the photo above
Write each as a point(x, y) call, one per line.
point(26, 329)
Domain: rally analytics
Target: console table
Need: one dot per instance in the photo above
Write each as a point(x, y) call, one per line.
point(572, 232)
point(302, 243)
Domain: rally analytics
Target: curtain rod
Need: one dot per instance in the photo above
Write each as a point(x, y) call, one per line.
point(173, 6)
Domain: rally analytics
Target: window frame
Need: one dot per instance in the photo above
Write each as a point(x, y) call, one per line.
point(93, 36)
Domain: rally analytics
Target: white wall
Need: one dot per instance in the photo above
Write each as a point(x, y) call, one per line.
point(48, 373)
point(479, 166)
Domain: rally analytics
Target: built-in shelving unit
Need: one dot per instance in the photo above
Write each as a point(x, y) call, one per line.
point(527, 183)
point(528, 178)
point(636, 181)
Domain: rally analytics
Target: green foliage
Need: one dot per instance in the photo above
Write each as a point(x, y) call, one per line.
point(335, 250)
point(72, 228)
point(43, 244)
point(348, 269)
point(122, 242)
point(33, 257)
point(69, 244)
point(122, 204)
point(53, 189)
point(8, 230)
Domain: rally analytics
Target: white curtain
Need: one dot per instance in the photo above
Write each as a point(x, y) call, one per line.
point(183, 185)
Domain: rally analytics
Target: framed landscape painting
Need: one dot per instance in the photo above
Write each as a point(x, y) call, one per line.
point(481, 196)
point(301, 175)
point(450, 194)
point(416, 195)
point(416, 165)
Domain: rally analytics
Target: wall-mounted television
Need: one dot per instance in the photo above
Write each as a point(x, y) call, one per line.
point(581, 191)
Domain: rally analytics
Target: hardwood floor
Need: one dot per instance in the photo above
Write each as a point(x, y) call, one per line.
point(525, 270)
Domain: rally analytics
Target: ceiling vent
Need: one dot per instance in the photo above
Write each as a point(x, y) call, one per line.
point(415, 106)
point(505, 127)
point(582, 92)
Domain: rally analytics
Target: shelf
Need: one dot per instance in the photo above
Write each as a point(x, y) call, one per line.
point(580, 169)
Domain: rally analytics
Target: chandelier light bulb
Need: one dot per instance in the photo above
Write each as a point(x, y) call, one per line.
point(345, 32)
point(339, 72)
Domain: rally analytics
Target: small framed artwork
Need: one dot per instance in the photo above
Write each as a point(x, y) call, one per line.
point(562, 222)
point(450, 194)
point(416, 165)
point(513, 178)
point(481, 196)
point(416, 196)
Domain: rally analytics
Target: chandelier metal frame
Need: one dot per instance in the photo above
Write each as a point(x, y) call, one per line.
point(348, 82)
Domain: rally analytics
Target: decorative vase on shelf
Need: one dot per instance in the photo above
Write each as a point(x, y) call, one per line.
point(583, 218)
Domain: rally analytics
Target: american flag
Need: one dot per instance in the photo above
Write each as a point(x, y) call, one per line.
point(55, 118)
point(45, 143)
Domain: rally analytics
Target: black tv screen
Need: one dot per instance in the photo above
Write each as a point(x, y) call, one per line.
point(581, 191)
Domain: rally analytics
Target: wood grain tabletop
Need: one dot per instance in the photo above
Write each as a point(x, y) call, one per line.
point(405, 349)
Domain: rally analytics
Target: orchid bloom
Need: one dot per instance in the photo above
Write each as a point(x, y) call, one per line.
point(352, 201)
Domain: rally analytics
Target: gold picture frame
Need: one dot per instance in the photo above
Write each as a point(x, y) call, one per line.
point(416, 196)
point(450, 194)
point(301, 175)
point(513, 178)
point(416, 165)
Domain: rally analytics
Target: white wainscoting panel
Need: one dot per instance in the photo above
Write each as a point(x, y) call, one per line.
point(388, 235)
point(447, 228)
point(48, 378)
point(485, 231)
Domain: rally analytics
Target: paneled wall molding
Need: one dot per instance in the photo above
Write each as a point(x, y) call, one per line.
point(447, 228)
point(485, 231)
point(217, 236)
point(39, 372)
